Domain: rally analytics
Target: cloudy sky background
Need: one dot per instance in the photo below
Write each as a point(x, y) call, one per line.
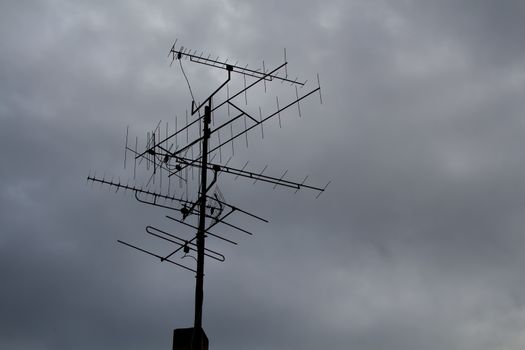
point(418, 243)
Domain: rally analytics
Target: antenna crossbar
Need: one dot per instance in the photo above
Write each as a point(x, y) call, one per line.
point(251, 175)
point(155, 255)
point(177, 54)
point(136, 189)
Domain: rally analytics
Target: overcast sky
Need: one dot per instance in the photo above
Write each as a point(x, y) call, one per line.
point(418, 243)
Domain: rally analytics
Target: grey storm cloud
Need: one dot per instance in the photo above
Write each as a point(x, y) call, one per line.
point(417, 243)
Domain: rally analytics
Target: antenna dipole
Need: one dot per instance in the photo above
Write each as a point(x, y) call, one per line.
point(202, 199)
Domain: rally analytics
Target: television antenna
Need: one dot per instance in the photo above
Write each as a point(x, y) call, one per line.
point(174, 157)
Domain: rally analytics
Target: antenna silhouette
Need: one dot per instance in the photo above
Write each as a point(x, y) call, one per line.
point(164, 156)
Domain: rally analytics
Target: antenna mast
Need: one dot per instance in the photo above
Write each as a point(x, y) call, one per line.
point(199, 285)
point(165, 157)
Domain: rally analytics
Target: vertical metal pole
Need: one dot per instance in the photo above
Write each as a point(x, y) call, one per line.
point(199, 291)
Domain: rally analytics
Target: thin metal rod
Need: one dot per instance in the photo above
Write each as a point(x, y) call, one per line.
point(155, 255)
point(126, 147)
point(283, 175)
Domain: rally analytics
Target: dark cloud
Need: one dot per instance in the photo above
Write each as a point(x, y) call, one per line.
point(416, 244)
